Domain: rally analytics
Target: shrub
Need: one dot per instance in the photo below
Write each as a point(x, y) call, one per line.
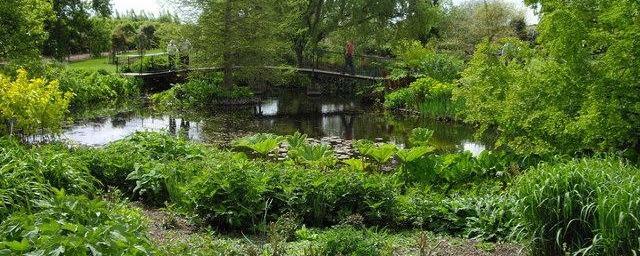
point(95, 87)
point(142, 164)
point(230, 195)
point(313, 156)
point(72, 225)
point(29, 106)
point(148, 64)
point(199, 92)
point(584, 205)
point(350, 241)
point(426, 95)
point(415, 61)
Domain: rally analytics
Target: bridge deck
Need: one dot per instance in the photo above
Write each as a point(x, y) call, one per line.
point(305, 70)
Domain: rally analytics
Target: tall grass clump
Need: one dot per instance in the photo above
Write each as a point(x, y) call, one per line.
point(587, 206)
point(30, 175)
point(426, 95)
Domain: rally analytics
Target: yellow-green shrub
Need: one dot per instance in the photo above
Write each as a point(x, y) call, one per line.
point(31, 105)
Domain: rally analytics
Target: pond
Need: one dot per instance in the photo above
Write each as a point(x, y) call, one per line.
point(284, 114)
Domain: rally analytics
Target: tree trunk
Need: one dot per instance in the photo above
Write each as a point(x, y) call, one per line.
point(299, 50)
point(227, 56)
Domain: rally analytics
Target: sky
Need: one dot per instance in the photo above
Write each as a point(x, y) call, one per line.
point(156, 6)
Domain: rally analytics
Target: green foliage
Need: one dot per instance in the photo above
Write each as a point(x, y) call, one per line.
point(587, 206)
point(358, 165)
point(27, 176)
point(420, 137)
point(313, 156)
point(69, 225)
point(200, 92)
point(296, 140)
point(90, 88)
point(469, 23)
point(413, 60)
point(426, 95)
point(23, 31)
point(413, 154)
point(381, 153)
point(29, 106)
point(148, 64)
point(572, 94)
point(261, 143)
point(493, 218)
point(351, 241)
point(142, 164)
point(231, 194)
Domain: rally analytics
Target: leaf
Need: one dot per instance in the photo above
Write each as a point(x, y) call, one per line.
point(420, 136)
point(412, 154)
point(356, 164)
point(18, 246)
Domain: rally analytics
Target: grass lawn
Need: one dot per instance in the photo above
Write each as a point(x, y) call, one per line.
point(98, 63)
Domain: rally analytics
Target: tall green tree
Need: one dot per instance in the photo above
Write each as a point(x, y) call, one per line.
point(22, 28)
point(579, 93)
point(235, 33)
point(307, 22)
point(69, 30)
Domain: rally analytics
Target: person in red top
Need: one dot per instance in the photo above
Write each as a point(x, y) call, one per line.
point(350, 50)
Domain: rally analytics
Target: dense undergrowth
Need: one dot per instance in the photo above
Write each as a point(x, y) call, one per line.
point(231, 192)
point(200, 92)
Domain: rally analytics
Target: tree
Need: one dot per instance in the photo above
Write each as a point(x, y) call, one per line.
point(22, 31)
point(69, 29)
point(146, 37)
point(235, 33)
point(465, 26)
point(576, 94)
point(307, 22)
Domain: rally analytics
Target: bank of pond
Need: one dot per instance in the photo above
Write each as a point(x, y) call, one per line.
point(79, 200)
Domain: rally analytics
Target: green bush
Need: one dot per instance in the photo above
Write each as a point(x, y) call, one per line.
point(416, 61)
point(426, 95)
point(231, 195)
point(142, 163)
point(70, 225)
point(587, 206)
point(27, 176)
point(350, 241)
point(31, 106)
point(199, 92)
point(148, 64)
point(95, 87)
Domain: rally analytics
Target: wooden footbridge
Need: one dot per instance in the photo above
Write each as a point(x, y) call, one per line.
point(168, 73)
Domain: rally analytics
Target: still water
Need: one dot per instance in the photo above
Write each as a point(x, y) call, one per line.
point(317, 117)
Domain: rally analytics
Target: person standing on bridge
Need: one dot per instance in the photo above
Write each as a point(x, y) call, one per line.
point(350, 50)
point(172, 52)
point(185, 47)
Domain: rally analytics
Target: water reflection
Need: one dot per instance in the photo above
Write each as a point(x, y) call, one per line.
point(102, 131)
point(317, 117)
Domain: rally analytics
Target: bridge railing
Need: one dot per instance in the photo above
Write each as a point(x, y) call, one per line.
point(363, 65)
point(332, 61)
